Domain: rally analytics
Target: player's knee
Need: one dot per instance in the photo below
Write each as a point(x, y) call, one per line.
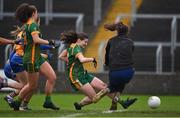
point(21, 86)
point(104, 86)
point(52, 78)
point(33, 87)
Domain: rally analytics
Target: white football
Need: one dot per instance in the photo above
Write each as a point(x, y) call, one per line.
point(154, 102)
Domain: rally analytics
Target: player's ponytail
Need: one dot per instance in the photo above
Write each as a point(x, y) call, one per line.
point(69, 37)
point(110, 26)
point(119, 27)
point(17, 31)
point(24, 12)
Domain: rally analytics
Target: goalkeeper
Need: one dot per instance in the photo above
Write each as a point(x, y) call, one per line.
point(119, 60)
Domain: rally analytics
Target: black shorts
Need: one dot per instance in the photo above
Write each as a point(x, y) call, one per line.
point(119, 78)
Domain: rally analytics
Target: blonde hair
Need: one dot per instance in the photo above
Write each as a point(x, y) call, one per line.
point(17, 31)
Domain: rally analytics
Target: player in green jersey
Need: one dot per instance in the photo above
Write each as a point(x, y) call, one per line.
point(79, 78)
point(33, 62)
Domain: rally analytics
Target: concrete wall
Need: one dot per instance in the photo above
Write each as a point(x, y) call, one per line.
point(140, 84)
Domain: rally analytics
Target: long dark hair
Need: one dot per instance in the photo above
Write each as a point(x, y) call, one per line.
point(120, 27)
point(24, 12)
point(69, 37)
point(22, 28)
point(82, 36)
point(17, 30)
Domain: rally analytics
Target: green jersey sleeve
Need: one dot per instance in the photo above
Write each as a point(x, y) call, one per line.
point(77, 50)
point(34, 28)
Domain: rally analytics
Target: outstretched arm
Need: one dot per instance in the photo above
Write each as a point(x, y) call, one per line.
point(63, 55)
point(5, 41)
point(38, 40)
point(83, 59)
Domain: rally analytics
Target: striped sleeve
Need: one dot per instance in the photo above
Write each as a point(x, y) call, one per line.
point(34, 29)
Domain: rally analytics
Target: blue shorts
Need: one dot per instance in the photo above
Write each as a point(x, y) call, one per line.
point(9, 72)
point(16, 63)
point(119, 78)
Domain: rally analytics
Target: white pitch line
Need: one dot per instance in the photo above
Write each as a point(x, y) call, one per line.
point(75, 115)
point(72, 115)
point(80, 114)
point(112, 111)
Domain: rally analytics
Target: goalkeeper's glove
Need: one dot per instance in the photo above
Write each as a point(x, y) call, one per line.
point(95, 62)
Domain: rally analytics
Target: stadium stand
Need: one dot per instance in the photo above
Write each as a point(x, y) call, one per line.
point(118, 7)
point(146, 30)
point(159, 30)
point(57, 25)
point(144, 57)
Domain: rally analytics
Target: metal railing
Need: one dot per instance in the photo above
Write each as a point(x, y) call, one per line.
point(173, 40)
point(49, 11)
point(159, 53)
point(159, 57)
point(49, 15)
point(174, 18)
point(61, 64)
point(134, 11)
point(7, 51)
point(79, 18)
point(97, 11)
point(1, 9)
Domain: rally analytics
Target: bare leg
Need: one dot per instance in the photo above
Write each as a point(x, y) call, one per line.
point(114, 102)
point(30, 87)
point(10, 83)
point(50, 75)
point(100, 85)
point(21, 77)
point(89, 91)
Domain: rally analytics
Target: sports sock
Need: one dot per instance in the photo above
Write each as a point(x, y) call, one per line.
point(100, 94)
point(13, 94)
point(18, 99)
point(24, 104)
point(48, 99)
point(116, 99)
point(4, 83)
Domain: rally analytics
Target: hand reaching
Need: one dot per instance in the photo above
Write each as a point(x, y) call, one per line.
point(56, 46)
point(51, 42)
point(95, 62)
point(18, 41)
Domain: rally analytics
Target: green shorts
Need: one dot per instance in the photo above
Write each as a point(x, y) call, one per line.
point(33, 67)
point(77, 83)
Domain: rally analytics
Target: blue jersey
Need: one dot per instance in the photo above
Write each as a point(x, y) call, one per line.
point(8, 71)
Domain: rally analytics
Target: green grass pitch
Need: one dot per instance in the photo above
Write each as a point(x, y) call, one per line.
point(170, 107)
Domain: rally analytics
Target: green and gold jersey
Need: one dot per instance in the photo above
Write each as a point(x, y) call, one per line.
point(75, 67)
point(32, 51)
point(76, 73)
